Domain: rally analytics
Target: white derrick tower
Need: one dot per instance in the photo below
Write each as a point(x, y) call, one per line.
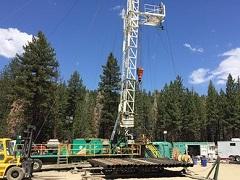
point(153, 15)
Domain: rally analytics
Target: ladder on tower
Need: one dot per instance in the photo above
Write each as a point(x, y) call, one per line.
point(153, 150)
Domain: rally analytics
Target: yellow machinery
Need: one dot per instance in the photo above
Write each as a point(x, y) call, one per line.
point(10, 165)
point(154, 151)
point(15, 167)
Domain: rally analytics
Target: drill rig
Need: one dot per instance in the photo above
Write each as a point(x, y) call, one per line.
point(132, 164)
point(133, 18)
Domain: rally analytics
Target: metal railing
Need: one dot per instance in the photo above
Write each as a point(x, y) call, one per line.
point(81, 150)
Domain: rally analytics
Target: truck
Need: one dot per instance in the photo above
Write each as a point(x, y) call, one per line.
point(229, 149)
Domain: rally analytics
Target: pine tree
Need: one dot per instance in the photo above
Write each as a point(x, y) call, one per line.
point(4, 101)
point(10, 123)
point(36, 83)
point(212, 113)
point(174, 108)
point(231, 111)
point(75, 102)
point(97, 112)
point(190, 122)
point(238, 107)
point(161, 122)
point(58, 114)
point(202, 119)
point(109, 88)
point(83, 119)
point(170, 110)
point(153, 114)
point(221, 123)
point(143, 121)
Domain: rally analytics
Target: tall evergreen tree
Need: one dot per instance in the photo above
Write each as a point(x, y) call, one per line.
point(221, 123)
point(83, 120)
point(76, 94)
point(238, 107)
point(170, 110)
point(212, 113)
point(201, 109)
point(109, 87)
point(58, 114)
point(143, 121)
point(190, 121)
point(161, 121)
point(36, 83)
point(97, 113)
point(174, 108)
point(10, 121)
point(231, 109)
point(153, 114)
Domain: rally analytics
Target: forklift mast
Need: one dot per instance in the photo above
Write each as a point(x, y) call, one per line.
point(27, 162)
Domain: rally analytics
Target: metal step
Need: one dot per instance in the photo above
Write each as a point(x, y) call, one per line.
point(62, 160)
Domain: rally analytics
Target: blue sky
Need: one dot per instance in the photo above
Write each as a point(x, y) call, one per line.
point(200, 41)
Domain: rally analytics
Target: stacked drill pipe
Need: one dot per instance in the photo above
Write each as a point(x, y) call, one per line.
point(114, 163)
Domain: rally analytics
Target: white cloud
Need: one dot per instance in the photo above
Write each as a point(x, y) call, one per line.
point(199, 76)
point(187, 45)
point(12, 41)
point(122, 13)
point(120, 10)
point(229, 65)
point(115, 8)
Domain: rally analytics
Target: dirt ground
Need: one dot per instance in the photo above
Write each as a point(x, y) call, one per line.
point(226, 172)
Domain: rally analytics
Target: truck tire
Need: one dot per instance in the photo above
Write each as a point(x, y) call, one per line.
point(37, 165)
point(232, 158)
point(15, 173)
point(237, 158)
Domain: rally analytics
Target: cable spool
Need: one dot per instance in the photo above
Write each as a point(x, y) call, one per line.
point(185, 158)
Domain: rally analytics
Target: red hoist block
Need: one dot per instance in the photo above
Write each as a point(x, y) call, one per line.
point(140, 73)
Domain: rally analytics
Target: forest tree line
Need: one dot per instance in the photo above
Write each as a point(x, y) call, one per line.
point(32, 92)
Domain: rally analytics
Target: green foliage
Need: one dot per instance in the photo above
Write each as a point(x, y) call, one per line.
point(180, 112)
point(5, 84)
point(231, 109)
point(143, 120)
point(83, 123)
point(58, 114)
point(170, 117)
point(76, 93)
point(36, 82)
point(221, 123)
point(212, 112)
point(109, 87)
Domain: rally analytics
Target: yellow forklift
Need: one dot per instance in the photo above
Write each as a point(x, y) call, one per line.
point(15, 166)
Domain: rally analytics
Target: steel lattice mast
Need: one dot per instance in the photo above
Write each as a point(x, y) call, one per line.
point(153, 15)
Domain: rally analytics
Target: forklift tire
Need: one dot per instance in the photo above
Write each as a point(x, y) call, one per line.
point(15, 173)
point(37, 165)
